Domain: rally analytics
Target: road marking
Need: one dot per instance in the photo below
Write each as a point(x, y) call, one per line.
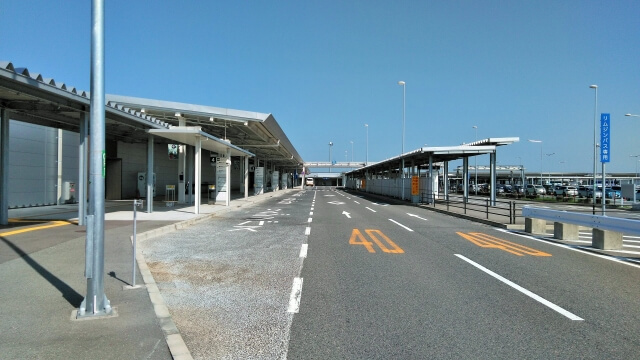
point(490, 242)
point(370, 209)
point(358, 239)
point(261, 223)
point(296, 292)
point(356, 202)
point(303, 250)
point(307, 231)
point(421, 218)
point(311, 213)
point(52, 224)
point(524, 291)
point(346, 214)
point(336, 202)
point(309, 220)
point(397, 223)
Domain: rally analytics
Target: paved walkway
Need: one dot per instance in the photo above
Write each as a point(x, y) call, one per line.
point(42, 253)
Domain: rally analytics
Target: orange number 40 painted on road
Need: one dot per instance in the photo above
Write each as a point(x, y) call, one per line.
point(358, 239)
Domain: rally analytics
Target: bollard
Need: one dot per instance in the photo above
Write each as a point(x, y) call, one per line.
point(136, 203)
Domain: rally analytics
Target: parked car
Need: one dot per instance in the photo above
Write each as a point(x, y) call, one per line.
point(598, 193)
point(583, 191)
point(534, 190)
point(566, 191)
point(609, 193)
point(519, 189)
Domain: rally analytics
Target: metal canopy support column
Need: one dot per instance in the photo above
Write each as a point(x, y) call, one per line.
point(96, 303)
point(4, 167)
point(246, 177)
point(432, 195)
point(445, 180)
point(83, 169)
point(198, 167)
point(150, 179)
point(189, 177)
point(228, 175)
point(182, 172)
point(59, 199)
point(492, 165)
point(465, 178)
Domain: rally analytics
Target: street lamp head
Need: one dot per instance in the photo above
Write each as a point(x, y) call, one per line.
point(330, 143)
point(535, 141)
point(366, 125)
point(474, 126)
point(401, 83)
point(593, 86)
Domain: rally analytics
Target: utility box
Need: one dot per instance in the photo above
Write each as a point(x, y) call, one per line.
point(69, 192)
point(142, 184)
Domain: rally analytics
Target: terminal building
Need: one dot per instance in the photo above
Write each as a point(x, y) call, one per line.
point(193, 154)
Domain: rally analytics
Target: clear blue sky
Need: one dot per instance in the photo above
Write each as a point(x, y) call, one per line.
point(325, 68)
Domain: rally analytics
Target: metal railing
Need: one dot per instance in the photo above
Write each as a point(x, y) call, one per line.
point(502, 208)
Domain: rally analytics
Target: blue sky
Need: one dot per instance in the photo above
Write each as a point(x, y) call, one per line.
point(325, 68)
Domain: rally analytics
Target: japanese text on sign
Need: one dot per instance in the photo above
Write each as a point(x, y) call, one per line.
point(605, 138)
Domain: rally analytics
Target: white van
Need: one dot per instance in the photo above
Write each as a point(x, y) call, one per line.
point(308, 182)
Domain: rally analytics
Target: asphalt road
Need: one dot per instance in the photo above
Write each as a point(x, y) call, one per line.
point(393, 281)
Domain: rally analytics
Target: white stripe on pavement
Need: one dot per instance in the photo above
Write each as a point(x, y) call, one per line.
point(397, 223)
point(294, 299)
point(523, 290)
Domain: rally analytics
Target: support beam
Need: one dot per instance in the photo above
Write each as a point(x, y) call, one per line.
point(493, 182)
point(246, 177)
point(465, 178)
point(150, 179)
point(198, 173)
point(228, 177)
point(59, 199)
point(83, 169)
point(4, 166)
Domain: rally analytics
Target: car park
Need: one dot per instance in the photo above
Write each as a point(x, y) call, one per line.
point(566, 191)
point(534, 190)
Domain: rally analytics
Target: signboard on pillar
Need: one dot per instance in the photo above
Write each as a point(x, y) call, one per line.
point(221, 178)
point(605, 138)
point(415, 185)
point(258, 180)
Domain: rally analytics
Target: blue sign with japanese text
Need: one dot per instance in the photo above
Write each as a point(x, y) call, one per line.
point(605, 138)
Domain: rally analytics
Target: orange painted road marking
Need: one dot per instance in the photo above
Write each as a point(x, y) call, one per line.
point(358, 239)
point(35, 228)
point(488, 241)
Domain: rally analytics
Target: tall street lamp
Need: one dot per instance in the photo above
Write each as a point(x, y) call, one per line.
point(404, 93)
point(539, 141)
point(366, 159)
point(636, 156)
point(330, 145)
point(475, 185)
point(595, 111)
point(550, 169)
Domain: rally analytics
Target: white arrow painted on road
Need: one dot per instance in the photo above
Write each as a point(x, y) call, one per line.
point(414, 215)
point(346, 214)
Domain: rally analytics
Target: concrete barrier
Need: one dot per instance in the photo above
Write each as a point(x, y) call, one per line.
point(607, 231)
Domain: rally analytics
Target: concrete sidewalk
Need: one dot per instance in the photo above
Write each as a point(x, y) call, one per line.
point(42, 264)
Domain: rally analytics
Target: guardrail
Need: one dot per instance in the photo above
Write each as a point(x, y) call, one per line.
point(500, 208)
point(605, 223)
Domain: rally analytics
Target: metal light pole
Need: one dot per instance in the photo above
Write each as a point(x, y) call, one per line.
point(404, 93)
point(330, 163)
point(475, 185)
point(549, 173)
point(595, 111)
point(366, 159)
point(539, 141)
point(96, 302)
point(636, 156)
point(352, 153)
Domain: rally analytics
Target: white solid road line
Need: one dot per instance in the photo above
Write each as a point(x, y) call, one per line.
point(397, 223)
point(370, 209)
point(523, 290)
point(294, 299)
